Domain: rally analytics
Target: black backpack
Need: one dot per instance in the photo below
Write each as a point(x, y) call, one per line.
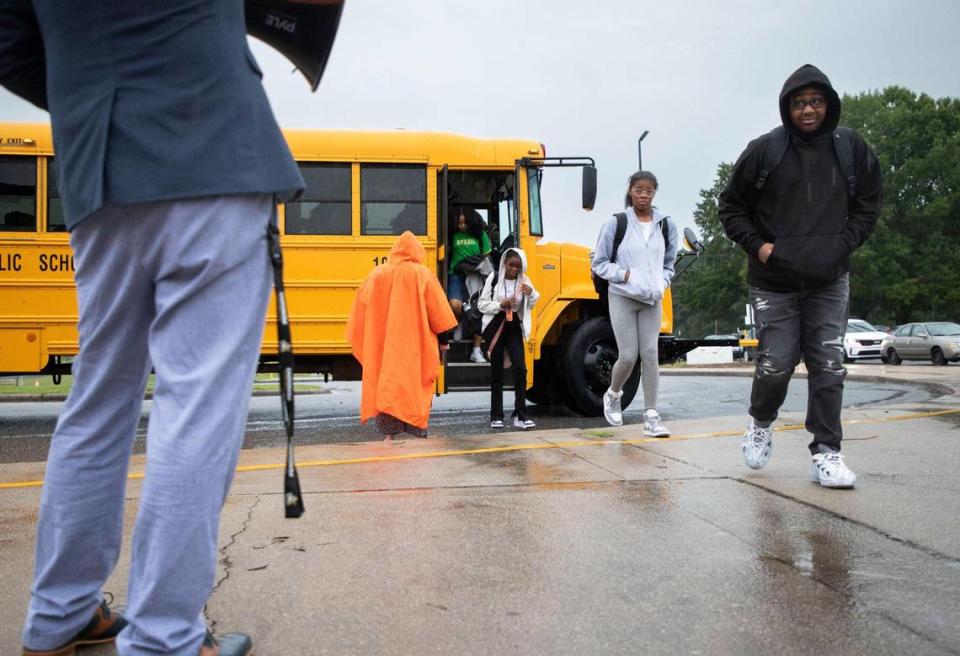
point(601, 284)
point(777, 146)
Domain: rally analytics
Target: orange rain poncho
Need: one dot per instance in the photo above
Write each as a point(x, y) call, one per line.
point(396, 316)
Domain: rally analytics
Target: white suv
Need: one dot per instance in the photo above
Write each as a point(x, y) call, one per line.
point(861, 341)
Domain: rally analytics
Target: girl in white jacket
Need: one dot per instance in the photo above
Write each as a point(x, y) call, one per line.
point(637, 276)
point(506, 301)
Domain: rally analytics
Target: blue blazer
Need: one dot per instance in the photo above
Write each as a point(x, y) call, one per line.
point(150, 100)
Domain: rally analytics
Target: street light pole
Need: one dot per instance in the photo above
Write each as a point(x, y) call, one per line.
point(640, 148)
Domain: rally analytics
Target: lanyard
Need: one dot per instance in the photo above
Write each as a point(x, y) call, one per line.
point(515, 296)
point(292, 499)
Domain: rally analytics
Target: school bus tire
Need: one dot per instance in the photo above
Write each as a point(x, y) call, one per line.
point(589, 351)
point(547, 383)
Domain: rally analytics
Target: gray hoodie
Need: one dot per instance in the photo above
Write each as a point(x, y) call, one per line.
point(649, 261)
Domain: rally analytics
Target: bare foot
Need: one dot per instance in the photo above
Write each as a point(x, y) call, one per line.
point(388, 438)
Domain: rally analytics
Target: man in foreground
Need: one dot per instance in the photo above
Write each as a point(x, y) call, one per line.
point(800, 200)
point(170, 164)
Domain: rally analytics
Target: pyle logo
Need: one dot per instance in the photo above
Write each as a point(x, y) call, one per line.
point(280, 23)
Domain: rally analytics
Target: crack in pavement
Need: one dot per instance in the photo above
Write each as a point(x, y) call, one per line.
point(227, 563)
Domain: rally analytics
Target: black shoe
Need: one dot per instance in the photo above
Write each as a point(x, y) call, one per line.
point(101, 629)
point(229, 644)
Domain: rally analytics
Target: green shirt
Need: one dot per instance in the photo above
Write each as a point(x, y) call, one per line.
point(464, 245)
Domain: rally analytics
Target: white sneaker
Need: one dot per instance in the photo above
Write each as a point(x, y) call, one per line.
point(523, 423)
point(611, 407)
point(757, 445)
point(496, 423)
point(829, 470)
point(653, 426)
point(476, 355)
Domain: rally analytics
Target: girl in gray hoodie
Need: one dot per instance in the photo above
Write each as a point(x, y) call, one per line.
point(637, 278)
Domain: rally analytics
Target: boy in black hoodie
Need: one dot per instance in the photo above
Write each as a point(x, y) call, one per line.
point(799, 226)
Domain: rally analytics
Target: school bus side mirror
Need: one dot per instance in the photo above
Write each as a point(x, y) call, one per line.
point(589, 187)
point(691, 241)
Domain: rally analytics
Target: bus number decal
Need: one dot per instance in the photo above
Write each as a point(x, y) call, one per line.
point(377, 261)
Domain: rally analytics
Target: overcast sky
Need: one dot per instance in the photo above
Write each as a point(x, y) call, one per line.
point(586, 78)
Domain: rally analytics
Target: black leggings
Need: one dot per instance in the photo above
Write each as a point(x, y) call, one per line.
point(511, 340)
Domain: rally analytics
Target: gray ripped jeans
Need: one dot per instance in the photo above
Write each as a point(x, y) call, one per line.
point(811, 324)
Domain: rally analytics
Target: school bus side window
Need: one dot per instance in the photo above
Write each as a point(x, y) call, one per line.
point(18, 194)
point(324, 208)
point(55, 220)
point(393, 198)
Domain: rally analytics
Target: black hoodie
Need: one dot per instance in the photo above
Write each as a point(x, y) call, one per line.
point(804, 208)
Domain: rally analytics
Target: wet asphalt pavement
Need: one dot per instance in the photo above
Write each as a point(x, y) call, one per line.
point(327, 413)
point(585, 540)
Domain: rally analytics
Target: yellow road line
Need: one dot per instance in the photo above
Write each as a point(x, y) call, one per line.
point(524, 447)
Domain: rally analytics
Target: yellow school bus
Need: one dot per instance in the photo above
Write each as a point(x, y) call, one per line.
point(363, 189)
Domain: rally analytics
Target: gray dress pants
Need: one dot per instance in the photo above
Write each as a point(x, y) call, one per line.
point(180, 286)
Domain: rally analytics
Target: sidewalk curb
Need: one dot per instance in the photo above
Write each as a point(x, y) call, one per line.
point(39, 398)
point(941, 389)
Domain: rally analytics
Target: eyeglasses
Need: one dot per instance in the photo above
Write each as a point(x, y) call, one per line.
point(644, 192)
point(816, 102)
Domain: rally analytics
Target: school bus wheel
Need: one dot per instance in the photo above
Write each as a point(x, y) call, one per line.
point(548, 385)
point(588, 353)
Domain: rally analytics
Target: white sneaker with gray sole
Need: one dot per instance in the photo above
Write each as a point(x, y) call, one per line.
point(829, 470)
point(611, 407)
point(757, 445)
point(653, 425)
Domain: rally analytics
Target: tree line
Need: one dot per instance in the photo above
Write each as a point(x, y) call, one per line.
point(908, 270)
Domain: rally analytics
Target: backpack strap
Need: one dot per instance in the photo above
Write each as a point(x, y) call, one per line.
point(777, 145)
point(618, 234)
point(772, 154)
point(665, 231)
point(843, 145)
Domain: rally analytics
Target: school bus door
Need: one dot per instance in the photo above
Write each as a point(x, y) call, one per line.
point(442, 249)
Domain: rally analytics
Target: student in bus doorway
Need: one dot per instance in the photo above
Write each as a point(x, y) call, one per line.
point(507, 302)
point(469, 262)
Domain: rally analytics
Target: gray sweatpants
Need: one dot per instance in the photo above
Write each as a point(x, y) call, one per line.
point(182, 286)
point(636, 327)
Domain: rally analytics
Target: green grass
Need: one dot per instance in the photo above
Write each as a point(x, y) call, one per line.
point(40, 385)
point(36, 385)
point(598, 432)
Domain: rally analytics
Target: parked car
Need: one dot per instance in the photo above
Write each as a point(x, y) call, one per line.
point(861, 341)
point(938, 341)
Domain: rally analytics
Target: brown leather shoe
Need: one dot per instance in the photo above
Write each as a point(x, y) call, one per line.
point(102, 628)
point(229, 644)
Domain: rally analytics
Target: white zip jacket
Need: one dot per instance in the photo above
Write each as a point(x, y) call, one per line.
point(649, 260)
point(489, 300)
